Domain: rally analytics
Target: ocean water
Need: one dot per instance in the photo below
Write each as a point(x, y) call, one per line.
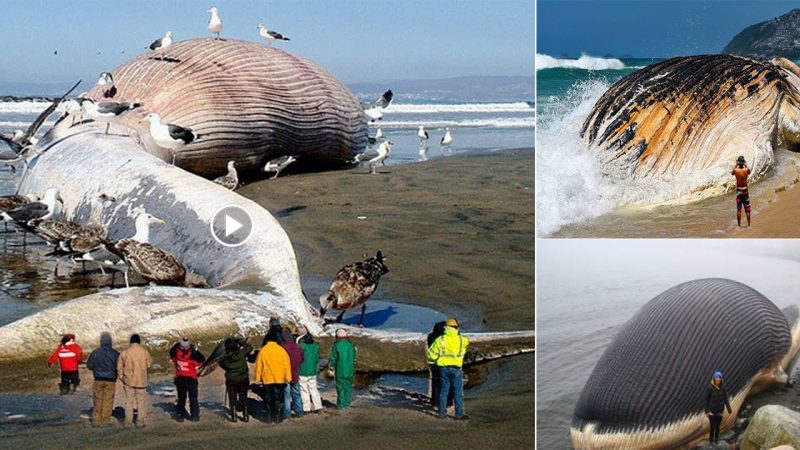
point(573, 199)
point(588, 289)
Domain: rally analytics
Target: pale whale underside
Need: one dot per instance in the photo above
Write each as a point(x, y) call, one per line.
point(692, 116)
point(653, 376)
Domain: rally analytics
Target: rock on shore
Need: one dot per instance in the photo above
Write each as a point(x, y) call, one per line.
point(772, 426)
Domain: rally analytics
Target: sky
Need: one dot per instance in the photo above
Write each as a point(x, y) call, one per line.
point(356, 40)
point(647, 28)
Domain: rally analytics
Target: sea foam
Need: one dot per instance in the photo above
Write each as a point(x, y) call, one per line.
point(584, 62)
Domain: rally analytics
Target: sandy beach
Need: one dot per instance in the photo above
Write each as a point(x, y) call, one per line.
point(458, 235)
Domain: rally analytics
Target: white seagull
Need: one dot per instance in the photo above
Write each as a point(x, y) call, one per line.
point(447, 139)
point(422, 135)
point(373, 110)
point(270, 35)
point(214, 24)
point(278, 164)
point(375, 157)
point(168, 135)
point(163, 43)
point(106, 110)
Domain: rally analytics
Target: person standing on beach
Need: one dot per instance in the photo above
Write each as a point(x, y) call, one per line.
point(308, 372)
point(237, 376)
point(187, 359)
point(341, 365)
point(68, 355)
point(716, 402)
point(447, 352)
point(433, 369)
point(741, 172)
point(273, 370)
point(132, 370)
point(103, 364)
point(292, 400)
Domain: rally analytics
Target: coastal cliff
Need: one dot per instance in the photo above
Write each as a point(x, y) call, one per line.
point(777, 37)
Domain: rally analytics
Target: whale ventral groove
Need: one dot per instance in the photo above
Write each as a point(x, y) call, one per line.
point(675, 116)
point(656, 370)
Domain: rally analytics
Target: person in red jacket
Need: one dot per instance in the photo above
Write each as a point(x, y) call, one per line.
point(187, 359)
point(68, 355)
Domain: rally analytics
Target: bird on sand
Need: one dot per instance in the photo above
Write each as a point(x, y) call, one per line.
point(375, 156)
point(270, 35)
point(278, 164)
point(353, 285)
point(231, 180)
point(214, 23)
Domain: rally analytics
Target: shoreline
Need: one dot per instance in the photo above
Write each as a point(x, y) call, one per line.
point(472, 217)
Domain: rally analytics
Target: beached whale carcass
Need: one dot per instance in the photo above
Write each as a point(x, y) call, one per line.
point(249, 103)
point(648, 389)
point(685, 120)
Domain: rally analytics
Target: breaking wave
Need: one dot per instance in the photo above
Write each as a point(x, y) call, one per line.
point(584, 62)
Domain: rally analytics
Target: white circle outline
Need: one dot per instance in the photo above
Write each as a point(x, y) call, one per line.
point(214, 217)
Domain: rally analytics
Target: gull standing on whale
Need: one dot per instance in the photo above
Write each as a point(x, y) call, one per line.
point(270, 35)
point(106, 110)
point(214, 24)
point(169, 136)
point(106, 81)
point(162, 44)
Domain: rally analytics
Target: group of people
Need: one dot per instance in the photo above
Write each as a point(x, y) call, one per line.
point(285, 374)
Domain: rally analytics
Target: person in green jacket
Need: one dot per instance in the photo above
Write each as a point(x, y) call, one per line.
point(342, 363)
point(308, 372)
point(237, 376)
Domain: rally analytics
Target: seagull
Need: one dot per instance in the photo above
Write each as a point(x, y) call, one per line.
point(231, 180)
point(168, 135)
point(9, 202)
point(21, 141)
point(106, 110)
point(270, 35)
point(162, 44)
point(447, 139)
point(373, 110)
point(108, 81)
point(85, 238)
point(379, 137)
point(33, 210)
point(214, 24)
point(278, 164)
point(375, 157)
point(353, 285)
point(422, 135)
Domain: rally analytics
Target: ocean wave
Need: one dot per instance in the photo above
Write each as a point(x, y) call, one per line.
point(584, 62)
point(498, 122)
point(21, 125)
point(26, 107)
point(431, 108)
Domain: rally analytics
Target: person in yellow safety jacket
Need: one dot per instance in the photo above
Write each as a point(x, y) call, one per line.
point(447, 352)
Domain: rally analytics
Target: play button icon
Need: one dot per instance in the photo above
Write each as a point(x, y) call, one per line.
point(232, 226)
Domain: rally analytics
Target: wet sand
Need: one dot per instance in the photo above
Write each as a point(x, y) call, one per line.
point(458, 234)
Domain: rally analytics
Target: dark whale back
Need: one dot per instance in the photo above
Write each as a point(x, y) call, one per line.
point(657, 369)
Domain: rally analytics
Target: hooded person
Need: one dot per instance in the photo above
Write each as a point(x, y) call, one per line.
point(292, 400)
point(187, 359)
point(716, 402)
point(433, 369)
point(103, 364)
point(69, 356)
point(237, 376)
point(309, 393)
point(273, 371)
point(447, 352)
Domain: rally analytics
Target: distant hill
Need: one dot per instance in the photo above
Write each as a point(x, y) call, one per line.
point(464, 89)
point(777, 37)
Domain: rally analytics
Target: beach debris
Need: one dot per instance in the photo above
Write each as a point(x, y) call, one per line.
point(270, 35)
point(375, 157)
point(361, 217)
point(15, 416)
point(231, 180)
point(214, 23)
point(278, 164)
point(352, 286)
